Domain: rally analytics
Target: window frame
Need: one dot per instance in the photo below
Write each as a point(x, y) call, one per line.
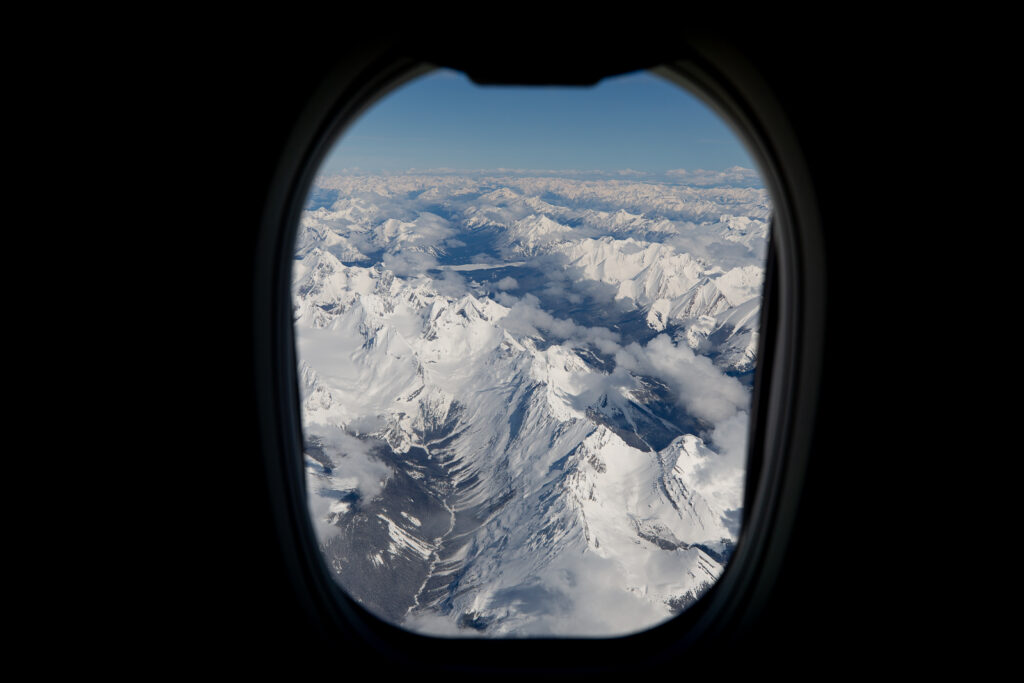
point(784, 398)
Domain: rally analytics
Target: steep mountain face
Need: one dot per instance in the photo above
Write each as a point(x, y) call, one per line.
point(520, 417)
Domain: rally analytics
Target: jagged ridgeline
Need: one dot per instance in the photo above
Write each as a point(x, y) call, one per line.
point(525, 400)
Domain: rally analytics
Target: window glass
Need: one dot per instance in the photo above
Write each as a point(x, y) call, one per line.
point(527, 325)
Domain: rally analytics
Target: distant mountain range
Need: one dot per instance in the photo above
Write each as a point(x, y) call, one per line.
point(525, 400)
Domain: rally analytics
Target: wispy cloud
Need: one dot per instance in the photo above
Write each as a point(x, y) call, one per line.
point(735, 175)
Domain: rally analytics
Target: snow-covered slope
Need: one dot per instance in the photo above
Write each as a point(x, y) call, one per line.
point(522, 419)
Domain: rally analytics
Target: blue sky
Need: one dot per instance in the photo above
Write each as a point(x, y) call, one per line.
point(443, 120)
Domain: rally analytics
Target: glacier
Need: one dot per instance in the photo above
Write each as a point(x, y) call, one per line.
point(525, 400)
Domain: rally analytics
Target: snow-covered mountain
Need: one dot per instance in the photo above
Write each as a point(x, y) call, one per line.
point(525, 400)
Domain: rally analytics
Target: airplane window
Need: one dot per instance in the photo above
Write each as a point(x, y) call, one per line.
point(527, 328)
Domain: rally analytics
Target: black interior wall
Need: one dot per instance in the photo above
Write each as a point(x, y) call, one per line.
point(852, 96)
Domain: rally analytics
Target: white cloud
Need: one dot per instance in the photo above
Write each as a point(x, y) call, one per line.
point(451, 283)
point(354, 462)
point(353, 468)
point(722, 476)
point(735, 175)
point(585, 595)
point(527, 318)
point(702, 389)
point(409, 262)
